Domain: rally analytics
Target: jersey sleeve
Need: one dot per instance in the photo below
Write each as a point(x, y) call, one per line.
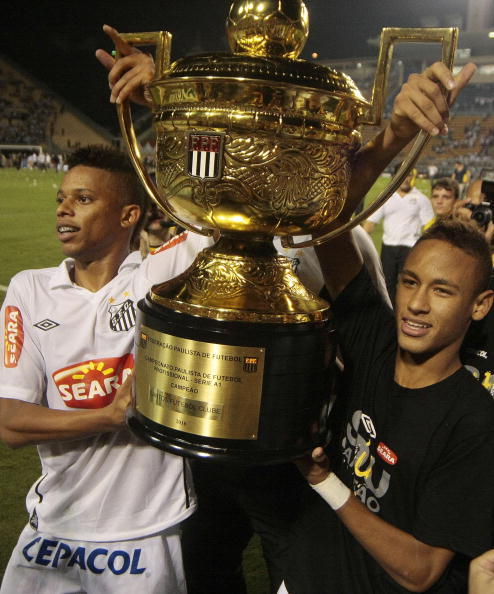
point(173, 257)
point(456, 505)
point(426, 211)
point(377, 216)
point(22, 371)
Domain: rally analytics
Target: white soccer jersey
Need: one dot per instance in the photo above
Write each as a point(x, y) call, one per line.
point(68, 348)
point(403, 217)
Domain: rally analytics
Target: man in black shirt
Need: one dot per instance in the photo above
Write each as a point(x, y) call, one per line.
point(408, 493)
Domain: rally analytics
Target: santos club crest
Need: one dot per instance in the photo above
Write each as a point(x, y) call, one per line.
point(205, 155)
point(122, 316)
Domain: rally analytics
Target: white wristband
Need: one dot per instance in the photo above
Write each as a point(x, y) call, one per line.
point(333, 491)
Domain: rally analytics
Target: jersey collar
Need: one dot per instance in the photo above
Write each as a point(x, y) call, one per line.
point(61, 278)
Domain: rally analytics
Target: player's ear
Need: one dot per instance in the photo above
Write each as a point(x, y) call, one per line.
point(130, 215)
point(482, 304)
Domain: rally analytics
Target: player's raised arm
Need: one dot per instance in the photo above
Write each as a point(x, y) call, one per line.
point(420, 105)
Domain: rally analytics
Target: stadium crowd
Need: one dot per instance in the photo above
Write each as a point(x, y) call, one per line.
point(407, 498)
point(27, 111)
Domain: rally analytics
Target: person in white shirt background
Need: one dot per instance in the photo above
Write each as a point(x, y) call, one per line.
point(403, 217)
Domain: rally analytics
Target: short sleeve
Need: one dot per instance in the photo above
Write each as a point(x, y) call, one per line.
point(426, 212)
point(173, 257)
point(22, 371)
point(377, 216)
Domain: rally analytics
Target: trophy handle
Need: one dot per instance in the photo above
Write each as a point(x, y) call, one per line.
point(162, 41)
point(448, 37)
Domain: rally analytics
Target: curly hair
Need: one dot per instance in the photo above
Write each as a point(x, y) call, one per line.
point(115, 161)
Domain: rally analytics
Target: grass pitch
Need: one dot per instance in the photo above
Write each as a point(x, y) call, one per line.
point(28, 240)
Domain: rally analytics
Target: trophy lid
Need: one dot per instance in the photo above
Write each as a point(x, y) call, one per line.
point(266, 37)
point(281, 70)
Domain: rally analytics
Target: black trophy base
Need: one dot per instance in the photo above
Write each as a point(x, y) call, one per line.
point(296, 396)
point(183, 444)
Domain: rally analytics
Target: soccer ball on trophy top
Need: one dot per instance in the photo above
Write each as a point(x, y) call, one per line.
point(270, 28)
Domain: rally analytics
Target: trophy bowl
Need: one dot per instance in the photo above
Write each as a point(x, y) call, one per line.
point(234, 357)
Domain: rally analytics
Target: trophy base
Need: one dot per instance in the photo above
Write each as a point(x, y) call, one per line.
point(182, 444)
point(245, 393)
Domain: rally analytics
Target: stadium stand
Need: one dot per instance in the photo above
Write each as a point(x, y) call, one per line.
point(31, 114)
point(471, 128)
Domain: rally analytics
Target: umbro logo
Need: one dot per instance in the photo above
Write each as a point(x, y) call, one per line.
point(46, 324)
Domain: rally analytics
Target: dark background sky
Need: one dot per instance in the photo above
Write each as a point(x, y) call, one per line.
point(55, 41)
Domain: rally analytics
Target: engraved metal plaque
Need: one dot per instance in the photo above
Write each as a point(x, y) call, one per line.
point(207, 389)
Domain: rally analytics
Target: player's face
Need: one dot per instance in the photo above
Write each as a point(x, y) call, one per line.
point(89, 213)
point(436, 298)
point(442, 201)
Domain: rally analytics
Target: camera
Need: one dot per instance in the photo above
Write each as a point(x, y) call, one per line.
point(483, 213)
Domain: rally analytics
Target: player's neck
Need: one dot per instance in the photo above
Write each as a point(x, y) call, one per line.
point(419, 371)
point(93, 274)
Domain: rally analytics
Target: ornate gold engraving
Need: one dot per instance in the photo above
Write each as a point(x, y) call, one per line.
point(237, 282)
point(280, 185)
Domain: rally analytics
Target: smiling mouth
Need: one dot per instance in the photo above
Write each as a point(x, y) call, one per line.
point(414, 327)
point(65, 231)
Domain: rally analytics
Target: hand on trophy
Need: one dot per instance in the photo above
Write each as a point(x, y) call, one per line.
point(123, 399)
point(421, 103)
point(129, 74)
point(315, 466)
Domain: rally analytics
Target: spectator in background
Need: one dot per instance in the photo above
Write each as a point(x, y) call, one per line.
point(403, 217)
point(157, 229)
point(444, 195)
point(461, 174)
point(432, 171)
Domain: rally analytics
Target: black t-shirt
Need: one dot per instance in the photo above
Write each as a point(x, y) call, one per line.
point(421, 459)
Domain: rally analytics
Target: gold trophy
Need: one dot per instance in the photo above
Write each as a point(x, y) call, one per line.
point(234, 356)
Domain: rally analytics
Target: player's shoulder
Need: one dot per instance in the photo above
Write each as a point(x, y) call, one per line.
point(420, 194)
point(474, 404)
point(33, 276)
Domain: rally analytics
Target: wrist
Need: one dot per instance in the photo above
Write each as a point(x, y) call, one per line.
point(395, 140)
point(109, 419)
point(333, 491)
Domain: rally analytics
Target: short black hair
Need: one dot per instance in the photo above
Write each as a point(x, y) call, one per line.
point(466, 237)
point(446, 183)
point(116, 161)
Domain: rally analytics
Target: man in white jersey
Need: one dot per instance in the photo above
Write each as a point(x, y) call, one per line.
point(104, 515)
point(403, 217)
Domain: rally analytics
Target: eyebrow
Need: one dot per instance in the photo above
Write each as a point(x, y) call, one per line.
point(77, 190)
point(436, 281)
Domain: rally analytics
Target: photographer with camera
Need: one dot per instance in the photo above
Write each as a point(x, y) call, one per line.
point(478, 205)
point(477, 353)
